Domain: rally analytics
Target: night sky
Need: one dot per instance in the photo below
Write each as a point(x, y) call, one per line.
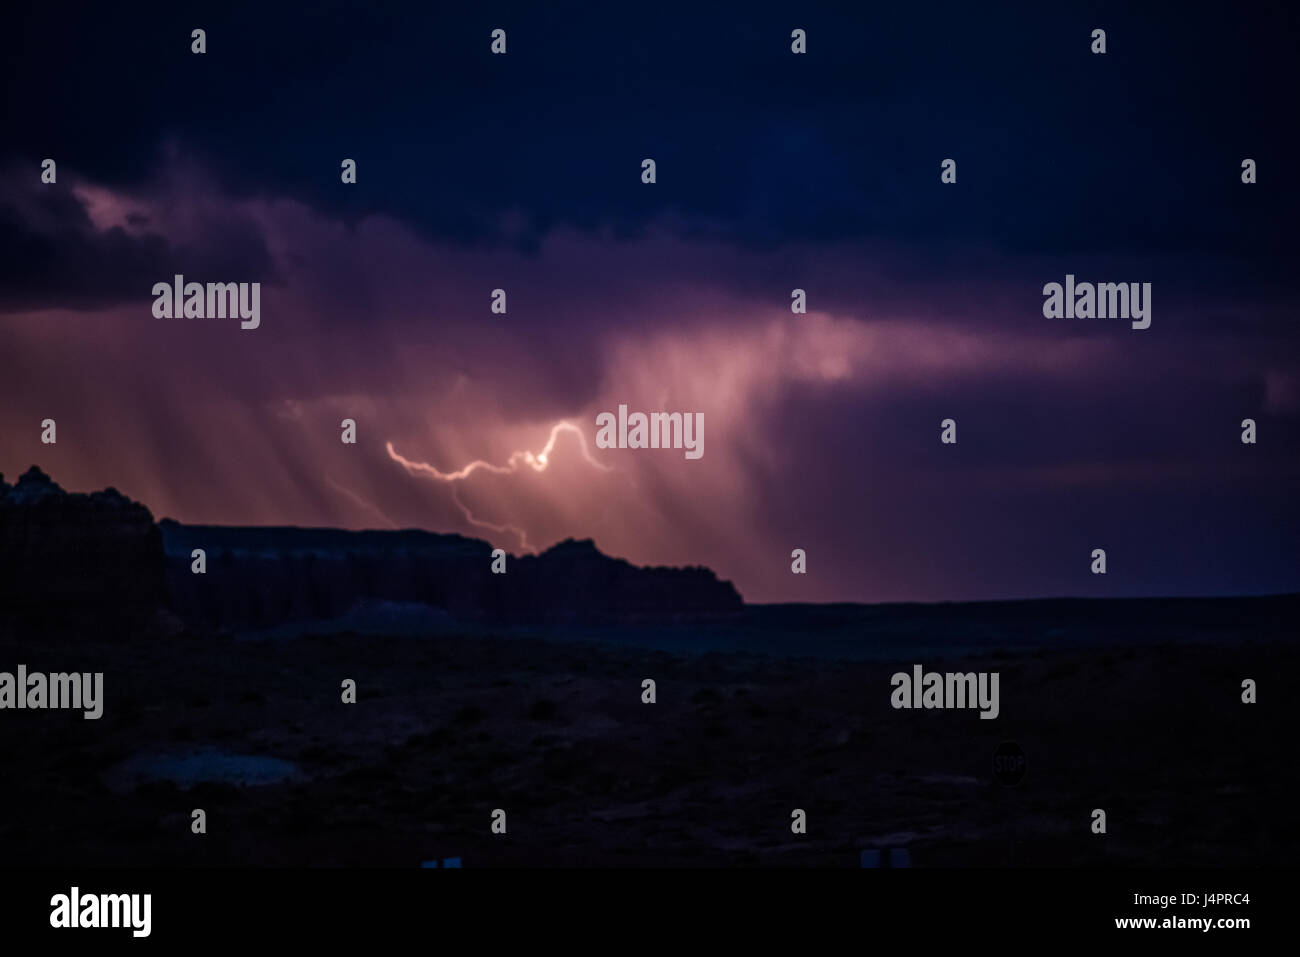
point(775, 171)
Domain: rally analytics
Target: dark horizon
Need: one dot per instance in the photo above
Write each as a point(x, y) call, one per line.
point(197, 529)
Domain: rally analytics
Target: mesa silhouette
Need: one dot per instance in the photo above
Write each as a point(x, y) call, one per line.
point(101, 554)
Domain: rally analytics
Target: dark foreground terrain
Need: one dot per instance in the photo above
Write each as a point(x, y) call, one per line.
point(448, 728)
point(522, 692)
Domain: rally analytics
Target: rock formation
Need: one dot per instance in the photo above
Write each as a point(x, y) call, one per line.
point(102, 557)
point(263, 577)
point(95, 557)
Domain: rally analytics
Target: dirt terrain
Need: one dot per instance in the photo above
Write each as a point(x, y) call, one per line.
point(446, 729)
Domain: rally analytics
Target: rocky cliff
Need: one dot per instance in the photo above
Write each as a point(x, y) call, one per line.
point(263, 577)
point(96, 557)
point(102, 556)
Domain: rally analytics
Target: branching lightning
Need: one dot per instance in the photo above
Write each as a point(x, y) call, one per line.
point(368, 506)
point(537, 462)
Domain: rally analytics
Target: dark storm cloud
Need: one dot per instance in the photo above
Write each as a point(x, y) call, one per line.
point(1058, 150)
point(54, 256)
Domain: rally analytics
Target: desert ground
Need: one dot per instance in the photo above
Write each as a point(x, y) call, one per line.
point(446, 729)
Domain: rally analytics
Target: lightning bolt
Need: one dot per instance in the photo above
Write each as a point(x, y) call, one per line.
point(369, 506)
point(520, 459)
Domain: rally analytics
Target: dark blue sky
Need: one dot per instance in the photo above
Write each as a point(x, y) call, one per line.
point(1062, 150)
point(774, 171)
